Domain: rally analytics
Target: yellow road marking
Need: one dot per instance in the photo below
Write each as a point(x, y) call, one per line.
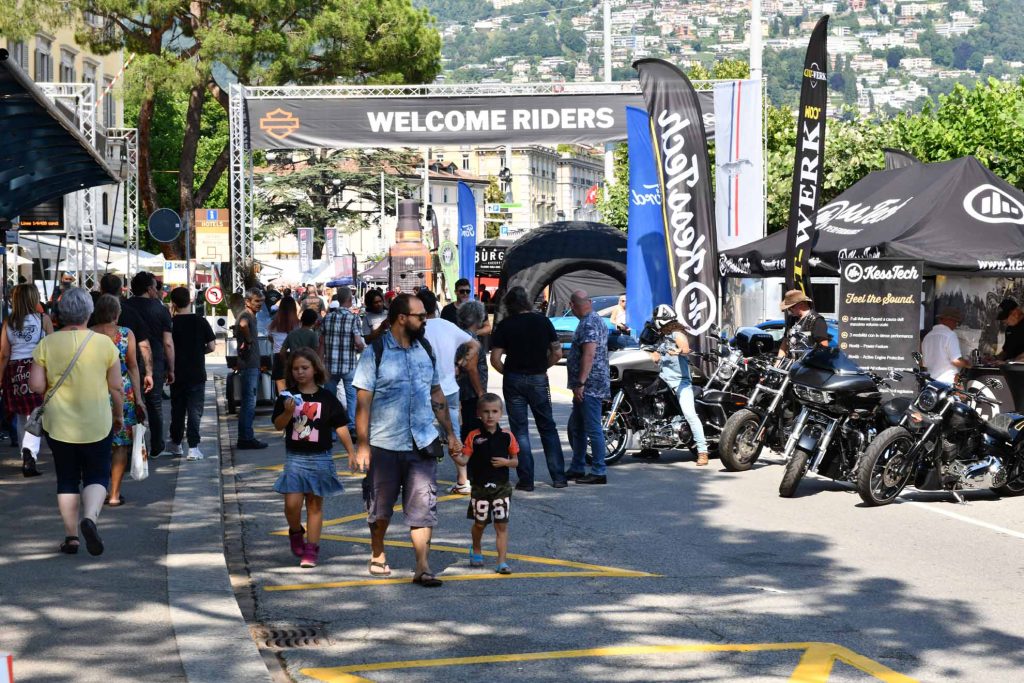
point(626, 574)
point(362, 515)
point(817, 653)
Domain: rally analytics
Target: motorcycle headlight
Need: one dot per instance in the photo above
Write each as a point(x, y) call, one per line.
point(927, 399)
point(812, 395)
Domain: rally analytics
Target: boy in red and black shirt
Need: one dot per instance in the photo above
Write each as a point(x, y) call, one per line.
point(489, 453)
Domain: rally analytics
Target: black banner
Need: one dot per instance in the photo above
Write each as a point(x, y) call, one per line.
point(809, 161)
point(880, 316)
point(339, 123)
point(688, 208)
point(45, 217)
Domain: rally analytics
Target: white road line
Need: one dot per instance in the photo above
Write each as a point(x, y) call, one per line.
point(963, 518)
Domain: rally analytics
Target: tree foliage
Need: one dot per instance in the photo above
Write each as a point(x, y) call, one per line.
point(194, 49)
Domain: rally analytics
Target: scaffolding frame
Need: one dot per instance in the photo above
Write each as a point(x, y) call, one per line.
point(83, 98)
point(241, 158)
point(128, 139)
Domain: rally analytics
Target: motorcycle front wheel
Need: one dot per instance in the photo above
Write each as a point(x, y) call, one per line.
point(617, 436)
point(737, 447)
point(795, 469)
point(885, 469)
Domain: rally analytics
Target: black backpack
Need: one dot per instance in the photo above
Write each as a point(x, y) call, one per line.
point(378, 351)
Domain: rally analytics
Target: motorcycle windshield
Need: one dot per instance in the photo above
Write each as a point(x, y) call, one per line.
point(833, 360)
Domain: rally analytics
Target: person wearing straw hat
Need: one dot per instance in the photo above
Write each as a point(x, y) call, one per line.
point(941, 347)
point(805, 327)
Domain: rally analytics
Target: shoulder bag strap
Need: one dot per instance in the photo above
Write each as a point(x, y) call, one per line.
point(67, 370)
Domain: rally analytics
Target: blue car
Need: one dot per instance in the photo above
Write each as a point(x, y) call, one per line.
point(777, 328)
point(565, 325)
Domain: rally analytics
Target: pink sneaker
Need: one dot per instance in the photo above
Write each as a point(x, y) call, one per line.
point(310, 555)
point(297, 539)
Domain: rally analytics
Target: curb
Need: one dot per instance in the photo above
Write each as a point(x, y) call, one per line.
point(212, 637)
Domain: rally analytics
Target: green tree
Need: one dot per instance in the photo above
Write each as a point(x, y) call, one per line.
point(613, 203)
point(326, 188)
point(492, 195)
point(196, 48)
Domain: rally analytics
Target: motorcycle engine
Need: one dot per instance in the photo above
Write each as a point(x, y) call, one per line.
point(658, 407)
point(659, 434)
point(983, 473)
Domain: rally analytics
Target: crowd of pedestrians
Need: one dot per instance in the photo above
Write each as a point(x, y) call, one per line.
point(400, 382)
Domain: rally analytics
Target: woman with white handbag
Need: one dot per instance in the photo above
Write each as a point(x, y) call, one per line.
point(80, 418)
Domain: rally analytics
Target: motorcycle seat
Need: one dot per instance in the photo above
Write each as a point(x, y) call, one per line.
point(1002, 426)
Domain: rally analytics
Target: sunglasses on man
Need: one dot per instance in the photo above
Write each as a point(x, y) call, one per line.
point(462, 291)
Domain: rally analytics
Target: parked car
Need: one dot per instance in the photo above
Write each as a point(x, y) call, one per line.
point(565, 325)
point(777, 328)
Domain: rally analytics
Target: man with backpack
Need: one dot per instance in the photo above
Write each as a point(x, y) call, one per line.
point(398, 398)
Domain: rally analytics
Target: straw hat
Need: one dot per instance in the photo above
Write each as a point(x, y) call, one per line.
point(794, 297)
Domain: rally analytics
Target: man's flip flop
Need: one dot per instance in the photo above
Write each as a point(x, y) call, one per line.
point(382, 569)
point(474, 559)
point(503, 568)
point(427, 580)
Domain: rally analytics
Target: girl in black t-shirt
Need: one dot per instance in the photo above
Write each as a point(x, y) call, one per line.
point(308, 414)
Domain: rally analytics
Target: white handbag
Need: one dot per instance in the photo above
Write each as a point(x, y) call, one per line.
point(140, 461)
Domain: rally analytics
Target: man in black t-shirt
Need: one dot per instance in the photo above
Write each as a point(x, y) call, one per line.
point(111, 284)
point(193, 339)
point(529, 345)
point(146, 303)
point(1013, 343)
point(462, 292)
point(805, 328)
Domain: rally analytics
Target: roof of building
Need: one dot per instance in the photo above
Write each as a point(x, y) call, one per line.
point(42, 154)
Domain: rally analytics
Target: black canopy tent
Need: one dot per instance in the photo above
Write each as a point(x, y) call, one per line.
point(42, 153)
point(957, 216)
point(378, 272)
point(544, 255)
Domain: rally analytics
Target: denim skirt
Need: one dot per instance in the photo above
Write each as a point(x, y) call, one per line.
point(309, 473)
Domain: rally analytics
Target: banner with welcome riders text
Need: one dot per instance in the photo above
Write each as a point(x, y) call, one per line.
point(684, 179)
point(809, 162)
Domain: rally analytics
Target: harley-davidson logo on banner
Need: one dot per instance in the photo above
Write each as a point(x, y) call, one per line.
point(809, 161)
point(306, 249)
point(688, 209)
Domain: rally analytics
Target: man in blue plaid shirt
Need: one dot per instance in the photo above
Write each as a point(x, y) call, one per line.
point(340, 346)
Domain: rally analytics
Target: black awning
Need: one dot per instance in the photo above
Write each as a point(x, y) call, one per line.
point(42, 154)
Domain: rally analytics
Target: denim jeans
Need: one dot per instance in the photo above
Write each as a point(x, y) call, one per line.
point(533, 392)
point(249, 384)
point(584, 425)
point(684, 392)
point(187, 400)
point(343, 381)
point(155, 408)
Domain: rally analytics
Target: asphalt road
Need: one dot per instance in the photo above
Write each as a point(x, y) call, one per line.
point(668, 573)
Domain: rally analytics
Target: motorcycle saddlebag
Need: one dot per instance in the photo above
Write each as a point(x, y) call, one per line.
point(753, 341)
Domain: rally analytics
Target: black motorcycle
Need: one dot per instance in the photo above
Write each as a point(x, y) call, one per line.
point(765, 419)
point(644, 410)
point(943, 444)
point(842, 411)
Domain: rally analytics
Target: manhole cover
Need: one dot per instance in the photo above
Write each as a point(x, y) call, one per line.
point(286, 637)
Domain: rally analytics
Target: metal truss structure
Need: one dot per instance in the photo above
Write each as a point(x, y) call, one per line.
point(81, 237)
point(242, 190)
point(128, 140)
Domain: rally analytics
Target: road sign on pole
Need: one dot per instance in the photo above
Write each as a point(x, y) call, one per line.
point(164, 225)
point(214, 295)
point(213, 240)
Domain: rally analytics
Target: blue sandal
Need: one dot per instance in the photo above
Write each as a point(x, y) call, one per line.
point(474, 559)
point(503, 568)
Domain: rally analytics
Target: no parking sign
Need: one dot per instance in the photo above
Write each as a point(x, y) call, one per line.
point(214, 295)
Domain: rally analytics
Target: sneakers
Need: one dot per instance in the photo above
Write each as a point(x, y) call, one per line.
point(297, 540)
point(194, 453)
point(461, 489)
point(172, 449)
point(310, 555)
point(250, 445)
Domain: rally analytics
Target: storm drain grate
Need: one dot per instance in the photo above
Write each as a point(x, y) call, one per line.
point(283, 638)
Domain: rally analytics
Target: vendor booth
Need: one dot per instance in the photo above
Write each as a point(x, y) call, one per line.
point(964, 224)
point(552, 251)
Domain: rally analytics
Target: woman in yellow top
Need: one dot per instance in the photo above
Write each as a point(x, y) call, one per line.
point(81, 416)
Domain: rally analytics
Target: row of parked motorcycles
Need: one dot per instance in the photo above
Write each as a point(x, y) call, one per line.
point(825, 413)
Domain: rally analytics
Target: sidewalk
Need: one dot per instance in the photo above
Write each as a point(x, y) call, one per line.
point(156, 606)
